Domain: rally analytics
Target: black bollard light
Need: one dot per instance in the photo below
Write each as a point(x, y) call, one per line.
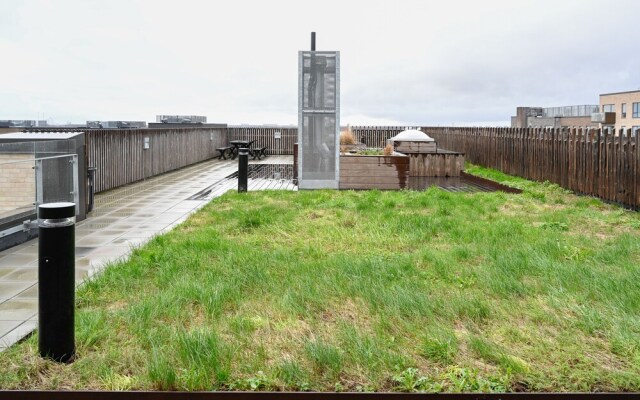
point(243, 169)
point(56, 280)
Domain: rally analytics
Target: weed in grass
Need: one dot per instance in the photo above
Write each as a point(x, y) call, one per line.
point(257, 382)
point(440, 345)
point(410, 380)
point(116, 382)
point(462, 380)
point(555, 226)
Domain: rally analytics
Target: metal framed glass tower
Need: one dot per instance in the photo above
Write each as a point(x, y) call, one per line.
point(318, 119)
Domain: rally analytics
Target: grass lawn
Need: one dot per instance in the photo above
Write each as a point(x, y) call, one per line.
point(366, 291)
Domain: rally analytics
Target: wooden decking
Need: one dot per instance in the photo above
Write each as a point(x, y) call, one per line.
point(270, 173)
point(271, 184)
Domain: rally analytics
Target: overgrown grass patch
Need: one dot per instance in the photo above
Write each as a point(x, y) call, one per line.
point(366, 291)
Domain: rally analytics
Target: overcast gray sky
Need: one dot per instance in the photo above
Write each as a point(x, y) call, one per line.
point(402, 62)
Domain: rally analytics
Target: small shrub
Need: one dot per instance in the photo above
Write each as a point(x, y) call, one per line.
point(388, 150)
point(346, 137)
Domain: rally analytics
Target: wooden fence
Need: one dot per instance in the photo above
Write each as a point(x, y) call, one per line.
point(265, 136)
point(587, 161)
point(376, 136)
point(121, 158)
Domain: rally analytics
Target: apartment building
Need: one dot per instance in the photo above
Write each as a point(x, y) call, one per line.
point(554, 117)
point(626, 106)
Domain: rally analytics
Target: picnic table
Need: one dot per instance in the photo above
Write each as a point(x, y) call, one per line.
point(238, 144)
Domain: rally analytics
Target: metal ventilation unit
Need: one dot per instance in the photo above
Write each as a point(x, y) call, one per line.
point(318, 118)
point(181, 119)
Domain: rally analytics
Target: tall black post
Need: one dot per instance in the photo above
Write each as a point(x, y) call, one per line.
point(243, 169)
point(313, 41)
point(56, 281)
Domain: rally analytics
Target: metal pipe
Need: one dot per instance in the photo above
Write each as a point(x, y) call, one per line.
point(56, 281)
point(313, 41)
point(243, 168)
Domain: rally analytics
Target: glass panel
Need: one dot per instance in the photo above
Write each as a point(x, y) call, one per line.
point(319, 147)
point(319, 119)
point(57, 180)
point(33, 173)
point(319, 82)
point(18, 187)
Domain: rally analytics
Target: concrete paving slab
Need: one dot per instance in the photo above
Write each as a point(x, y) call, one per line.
point(16, 260)
point(30, 293)
point(18, 333)
point(4, 272)
point(96, 240)
point(9, 325)
point(26, 273)
point(18, 309)
point(11, 289)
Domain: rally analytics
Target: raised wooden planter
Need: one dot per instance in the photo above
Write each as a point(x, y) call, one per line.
point(374, 172)
point(440, 164)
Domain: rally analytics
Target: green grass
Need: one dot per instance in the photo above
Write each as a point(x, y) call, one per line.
point(366, 291)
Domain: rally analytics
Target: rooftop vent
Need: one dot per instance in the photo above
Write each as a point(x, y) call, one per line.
point(412, 141)
point(412, 135)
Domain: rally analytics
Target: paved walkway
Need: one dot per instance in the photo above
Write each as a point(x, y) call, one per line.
point(122, 218)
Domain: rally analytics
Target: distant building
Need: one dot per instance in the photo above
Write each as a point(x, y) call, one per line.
point(181, 119)
point(21, 123)
point(116, 124)
point(626, 109)
point(555, 117)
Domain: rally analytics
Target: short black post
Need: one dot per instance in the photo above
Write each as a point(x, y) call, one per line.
point(56, 280)
point(91, 175)
point(313, 41)
point(243, 168)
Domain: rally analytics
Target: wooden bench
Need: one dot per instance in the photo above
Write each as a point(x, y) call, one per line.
point(222, 152)
point(259, 153)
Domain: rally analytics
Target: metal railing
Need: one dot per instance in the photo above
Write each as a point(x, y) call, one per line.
point(570, 111)
point(29, 181)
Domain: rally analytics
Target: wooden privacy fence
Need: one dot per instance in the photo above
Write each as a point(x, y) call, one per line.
point(121, 156)
point(587, 161)
point(376, 136)
point(266, 136)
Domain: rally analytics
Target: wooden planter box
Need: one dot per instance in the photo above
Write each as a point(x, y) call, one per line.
point(374, 172)
point(441, 164)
